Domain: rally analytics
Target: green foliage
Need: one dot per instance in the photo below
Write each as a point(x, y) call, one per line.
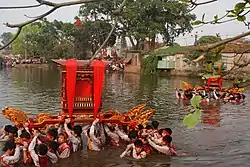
point(172, 50)
point(25, 40)
point(143, 19)
point(195, 101)
point(6, 37)
point(149, 64)
point(239, 13)
point(241, 83)
point(193, 118)
point(57, 39)
point(208, 39)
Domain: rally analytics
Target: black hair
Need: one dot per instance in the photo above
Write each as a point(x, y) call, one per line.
point(25, 135)
point(9, 145)
point(13, 130)
point(148, 127)
point(77, 130)
point(145, 138)
point(138, 143)
point(167, 139)
point(169, 131)
point(53, 145)
point(69, 125)
point(155, 124)
point(160, 131)
point(133, 134)
point(53, 133)
point(7, 128)
point(124, 128)
point(140, 127)
point(42, 149)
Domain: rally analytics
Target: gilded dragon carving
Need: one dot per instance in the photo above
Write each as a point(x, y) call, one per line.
point(136, 114)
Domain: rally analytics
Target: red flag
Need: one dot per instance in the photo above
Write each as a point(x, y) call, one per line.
point(99, 68)
point(71, 68)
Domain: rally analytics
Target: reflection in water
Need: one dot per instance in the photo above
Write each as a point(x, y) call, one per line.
point(220, 140)
point(211, 113)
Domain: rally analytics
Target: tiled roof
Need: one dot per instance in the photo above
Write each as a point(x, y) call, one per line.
point(236, 48)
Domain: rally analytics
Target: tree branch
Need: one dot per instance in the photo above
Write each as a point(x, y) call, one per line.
point(43, 2)
point(223, 42)
point(117, 11)
point(13, 39)
point(104, 43)
point(235, 63)
point(201, 3)
point(32, 20)
point(19, 7)
point(206, 48)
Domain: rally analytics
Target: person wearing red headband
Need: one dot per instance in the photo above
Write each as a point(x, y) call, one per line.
point(64, 149)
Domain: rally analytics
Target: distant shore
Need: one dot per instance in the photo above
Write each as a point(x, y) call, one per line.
point(31, 65)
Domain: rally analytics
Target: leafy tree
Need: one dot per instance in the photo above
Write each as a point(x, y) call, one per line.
point(90, 36)
point(24, 43)
point(5, 38)
point(208, 39)
point(43, 39)
point(143, 19)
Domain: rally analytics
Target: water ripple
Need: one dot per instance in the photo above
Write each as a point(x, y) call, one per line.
point(222, 139)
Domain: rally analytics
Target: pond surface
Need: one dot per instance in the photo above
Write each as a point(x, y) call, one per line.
point(221, 140)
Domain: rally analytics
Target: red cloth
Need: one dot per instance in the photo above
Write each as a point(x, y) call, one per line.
point(99, 68)
point(71, 68)
point(43, 161)
point(63, 147)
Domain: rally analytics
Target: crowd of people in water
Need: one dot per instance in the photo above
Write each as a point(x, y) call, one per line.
point(211, 94)
point(44, 147)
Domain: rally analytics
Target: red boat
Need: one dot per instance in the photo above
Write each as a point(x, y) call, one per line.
point(81, 92)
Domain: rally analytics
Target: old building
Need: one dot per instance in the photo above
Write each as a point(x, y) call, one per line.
point(176, 61)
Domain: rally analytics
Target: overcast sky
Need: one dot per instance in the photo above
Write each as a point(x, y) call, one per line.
point(68, 13)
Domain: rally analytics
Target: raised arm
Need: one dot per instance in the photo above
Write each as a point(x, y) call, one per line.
point(4, 138)
point(111, 134)
point(85, 129)
point(15, 158)
point(122, 135)
point(215, 96)
point(67, 130)
point(177, 94)
point(92, 133)
point(142, 155)
point(72, 138)
point(162, 149)
point(33, 154)
point(103, 137)
point(128, 149)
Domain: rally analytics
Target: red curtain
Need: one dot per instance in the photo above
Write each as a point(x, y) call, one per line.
point(71, 68)
point(99, 68)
